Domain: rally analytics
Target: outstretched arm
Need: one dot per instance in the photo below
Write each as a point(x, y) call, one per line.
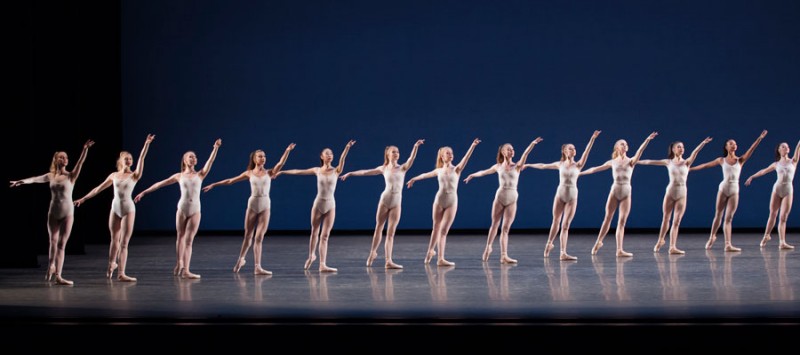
point(210, 161)
point(553, 165)
point(140, 164)
point(760, 173)
point(77, 169)
point(659, 162)
point(750, 151)
point(309, 171)
point(413, 155)
point(168, 181)
point(524, 157)
point(642, 147)
point(364, 172)
point(700, 146)
point(229, 181)
point(31, 180)
point(595, 169)
point(710, 164)
point(585, 154)
point(103, 185)
point(463, 163)
point(481, 173)
point(796, 156)
point(340, 167)
point(423, 176)
point(280, 163)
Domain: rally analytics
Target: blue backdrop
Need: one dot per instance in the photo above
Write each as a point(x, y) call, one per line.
point(263, 74)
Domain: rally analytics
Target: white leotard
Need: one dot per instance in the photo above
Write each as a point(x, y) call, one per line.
point(507, 189)
point(60, 196)
point(785, 176)
point(568, 182)
point(326, 185)
point(730, 178)
point(122, 204)
point(259, 193)
point(447, 195)
point(678, 173)
point(392, 196)
point(621, 171)
point(189, 204)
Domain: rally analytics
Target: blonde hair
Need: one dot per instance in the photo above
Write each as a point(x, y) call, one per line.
point(53, 166)
point(386, 154)
point(183, 159)
point(122, 154)
point(616, 153)
point(439, 161)
point(500, 156)
point(564, 156)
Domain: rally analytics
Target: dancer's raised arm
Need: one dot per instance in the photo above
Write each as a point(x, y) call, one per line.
point(413, 156)
point(642, 147)
point(77, 169)
point(207, 167)
point(279, 165)
point(463, 163)
point(524, 157)
point(750, 151)
point(585, 154)
point(340, 167)
point(140, 164)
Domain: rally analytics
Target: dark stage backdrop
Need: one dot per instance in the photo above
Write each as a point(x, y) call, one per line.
point(263, 74)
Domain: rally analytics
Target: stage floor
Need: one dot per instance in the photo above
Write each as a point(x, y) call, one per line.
point(755, 285)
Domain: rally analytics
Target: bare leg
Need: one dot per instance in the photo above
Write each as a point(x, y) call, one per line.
point(250, 220)
point(54, 233)
point(114, 228)
point(558, 213)
point(509, 213)
point(380, 220)
point(126, 231)
point(261, 229)
point(497, 214)
point(316, 221)
point(722, 201)
point(611, 207)
point(327, 225)
point(438, 213)
point(786, 206)
point(774, 207)
point(569, 213)
point(394, 218)
point(667, 206)
point(624, 212)
point(64, 232)
point(727, 229)
point(180, 243)
point(680, 209)
point(192, 225)
point(448, 216)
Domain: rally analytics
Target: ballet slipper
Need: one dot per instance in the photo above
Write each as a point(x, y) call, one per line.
point(676, 251)
point(596, 247)
point(392, 265)
point(310, 261)
point(660, 243)
point(326, 268)
point(239, 264)
point(125, 278)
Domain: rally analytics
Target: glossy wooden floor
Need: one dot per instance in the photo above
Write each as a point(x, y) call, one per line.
point(752, 287)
